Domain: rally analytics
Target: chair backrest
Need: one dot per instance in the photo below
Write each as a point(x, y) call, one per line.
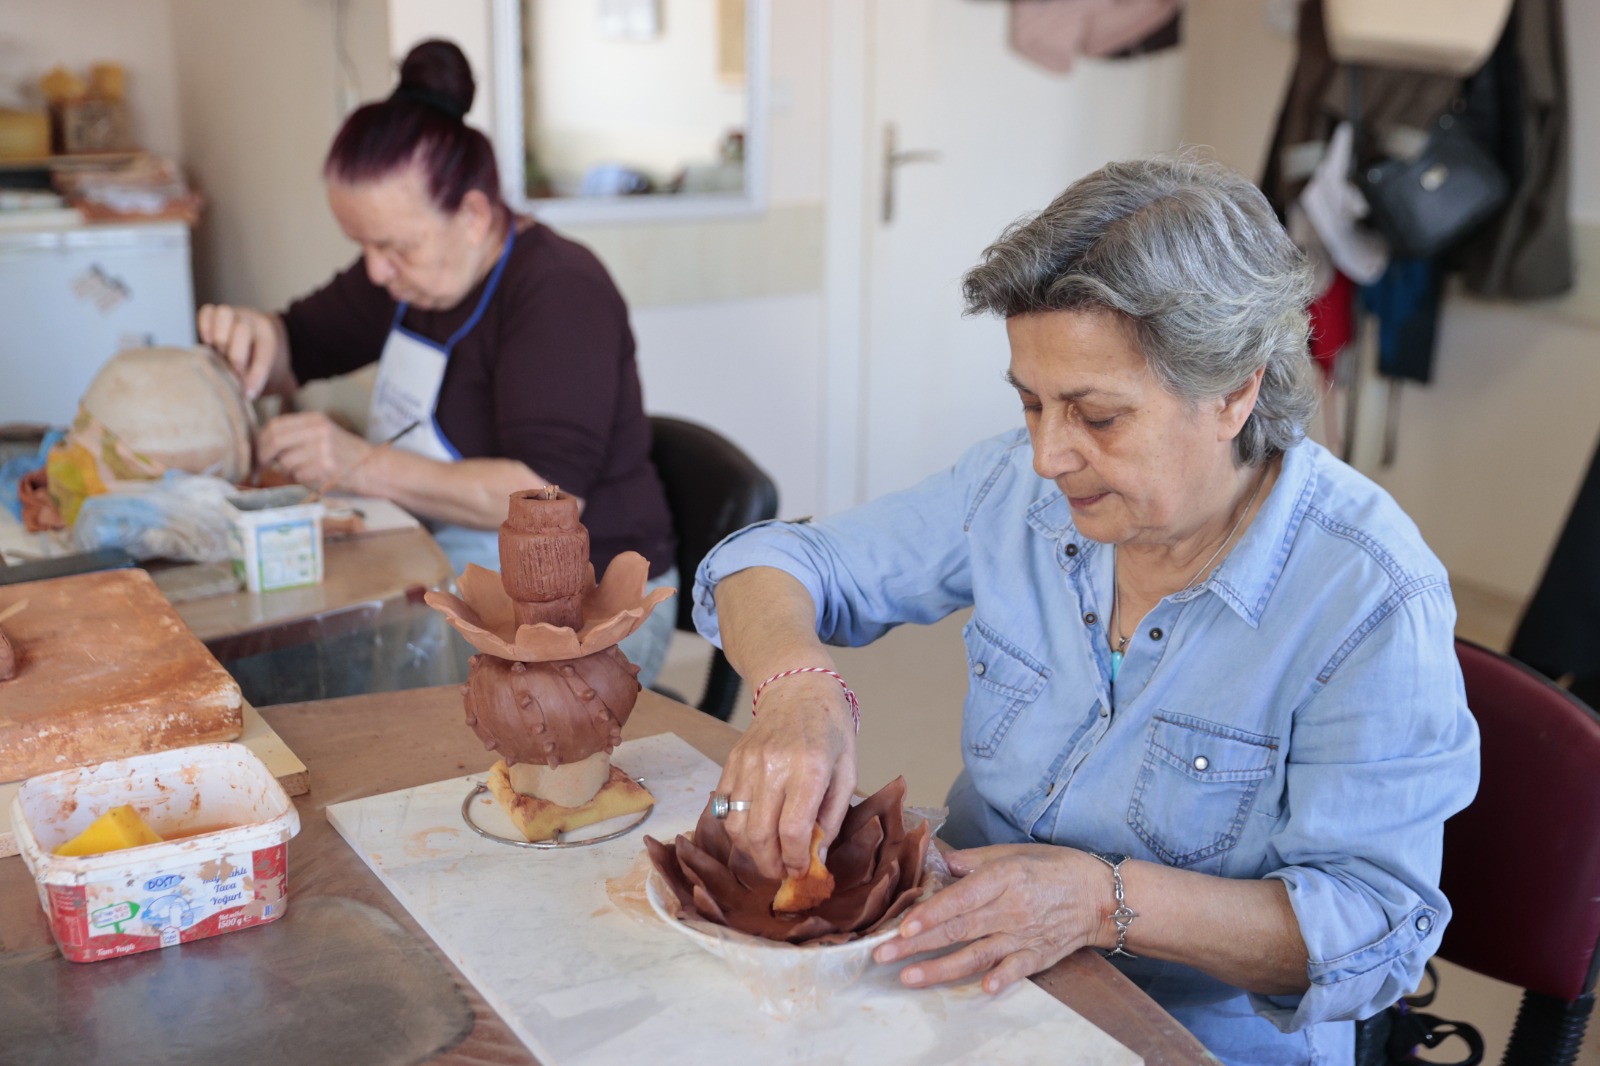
point(1522, 862)
point(713, 488)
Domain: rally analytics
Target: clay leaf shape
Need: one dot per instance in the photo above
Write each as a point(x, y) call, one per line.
point(612, 610)
point(877, 865)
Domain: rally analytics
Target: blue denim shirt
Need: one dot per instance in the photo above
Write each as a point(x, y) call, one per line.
point(1298, 716)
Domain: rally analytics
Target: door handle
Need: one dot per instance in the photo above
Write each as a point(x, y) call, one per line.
point(897, 157)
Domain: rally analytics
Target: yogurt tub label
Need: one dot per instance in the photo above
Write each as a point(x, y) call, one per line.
point(121, 916)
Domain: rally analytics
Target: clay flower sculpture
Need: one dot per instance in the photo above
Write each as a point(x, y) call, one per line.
point(485, 614)
point(551, 691)
point(877, 868)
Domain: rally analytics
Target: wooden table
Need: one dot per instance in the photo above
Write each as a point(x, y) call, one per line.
point(367, 745)
point(369, 579)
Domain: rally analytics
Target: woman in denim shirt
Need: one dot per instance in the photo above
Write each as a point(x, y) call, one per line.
point(1211, 668)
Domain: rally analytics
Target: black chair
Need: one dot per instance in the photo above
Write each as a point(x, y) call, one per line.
point(713, 489)
point(1522, 862)
point(1559, 634)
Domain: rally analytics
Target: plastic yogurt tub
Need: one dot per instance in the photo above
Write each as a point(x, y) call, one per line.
point(222, 868)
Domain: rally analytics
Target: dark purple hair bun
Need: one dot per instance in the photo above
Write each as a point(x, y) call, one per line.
point(421, 125)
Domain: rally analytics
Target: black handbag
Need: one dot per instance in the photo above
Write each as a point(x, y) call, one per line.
point(1392, 1037)
point(1425, 205)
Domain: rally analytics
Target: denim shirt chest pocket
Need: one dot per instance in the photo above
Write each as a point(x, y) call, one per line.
point(1196, 786)
point(1002, 681)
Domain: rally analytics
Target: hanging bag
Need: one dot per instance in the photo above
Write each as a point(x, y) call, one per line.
point(1425, 205)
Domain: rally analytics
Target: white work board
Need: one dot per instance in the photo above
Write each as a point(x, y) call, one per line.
point(580, 982)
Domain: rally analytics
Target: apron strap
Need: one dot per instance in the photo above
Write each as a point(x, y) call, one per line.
point(483, 301)
point(488, 293)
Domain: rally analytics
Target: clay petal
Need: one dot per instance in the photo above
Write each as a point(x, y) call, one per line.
point(543, 642)
point(862, 906)
point(483, 640)
point(465, 621)
point(852, 861)
point(886, 803)
point(623, 623)
point(452, 606)
point(899, 906)
point(622, 587)
point(809, 928)
point(665, 860)
point(710, 873)
point(708, 907)
point(913, 852)
point(487, 596)
point(769, 927)
point(712, 836)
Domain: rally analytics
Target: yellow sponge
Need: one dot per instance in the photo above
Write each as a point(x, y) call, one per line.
point(118, 828)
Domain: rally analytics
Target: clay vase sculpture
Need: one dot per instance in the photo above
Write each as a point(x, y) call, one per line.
point(550, 691)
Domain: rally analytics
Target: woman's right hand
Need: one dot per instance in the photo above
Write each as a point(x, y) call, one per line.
point(251, 341)
point(796, 764)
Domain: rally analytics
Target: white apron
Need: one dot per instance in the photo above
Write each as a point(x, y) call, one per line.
point(410, 372)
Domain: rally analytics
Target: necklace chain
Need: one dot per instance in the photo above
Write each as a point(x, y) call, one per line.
point(1116, 591)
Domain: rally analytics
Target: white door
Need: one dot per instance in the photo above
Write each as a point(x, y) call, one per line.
point(1009, 136)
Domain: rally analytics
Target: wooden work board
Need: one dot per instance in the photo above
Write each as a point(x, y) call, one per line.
point(106, 669)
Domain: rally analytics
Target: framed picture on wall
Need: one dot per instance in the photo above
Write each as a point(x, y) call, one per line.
point(630, 20)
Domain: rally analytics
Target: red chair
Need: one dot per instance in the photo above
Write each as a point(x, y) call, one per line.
point(1522, 862)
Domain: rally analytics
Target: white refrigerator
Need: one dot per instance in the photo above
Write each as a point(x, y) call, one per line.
point(74, 296)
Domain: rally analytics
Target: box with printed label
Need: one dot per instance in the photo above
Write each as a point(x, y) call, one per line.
point(220, 867)
point(275, 538)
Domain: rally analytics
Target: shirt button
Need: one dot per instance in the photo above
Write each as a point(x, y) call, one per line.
point(1090, 618)
point(1424, 923)
point(979, 668)
point(1156, 634)
point(1201, 762)
point(1071, 549)
point(1050, 789)
point(1104, 711)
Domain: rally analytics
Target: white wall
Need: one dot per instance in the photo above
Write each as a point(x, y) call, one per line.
point(1489, 454)
point(36, 35)
point(264, 90)
point(467, 23)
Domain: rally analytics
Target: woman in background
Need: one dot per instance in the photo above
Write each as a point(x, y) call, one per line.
point(507, 345)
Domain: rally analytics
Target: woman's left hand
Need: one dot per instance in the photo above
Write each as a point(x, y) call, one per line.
point(310, 448)
point(1020, 907)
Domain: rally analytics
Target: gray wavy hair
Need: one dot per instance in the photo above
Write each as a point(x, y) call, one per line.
point(1190, 254)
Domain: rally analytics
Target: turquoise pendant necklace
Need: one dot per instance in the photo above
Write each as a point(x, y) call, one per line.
point(1121, 644)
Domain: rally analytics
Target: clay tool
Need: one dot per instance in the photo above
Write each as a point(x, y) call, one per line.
point(347, 471)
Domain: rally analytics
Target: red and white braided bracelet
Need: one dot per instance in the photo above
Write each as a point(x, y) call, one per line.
point(849, 695)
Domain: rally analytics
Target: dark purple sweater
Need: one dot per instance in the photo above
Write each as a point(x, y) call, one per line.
point(547, 376)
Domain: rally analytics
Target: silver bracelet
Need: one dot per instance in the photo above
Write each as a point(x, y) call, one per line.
point(1124, 915)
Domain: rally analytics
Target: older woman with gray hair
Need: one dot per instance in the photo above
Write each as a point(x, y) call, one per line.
point(1215, 722)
